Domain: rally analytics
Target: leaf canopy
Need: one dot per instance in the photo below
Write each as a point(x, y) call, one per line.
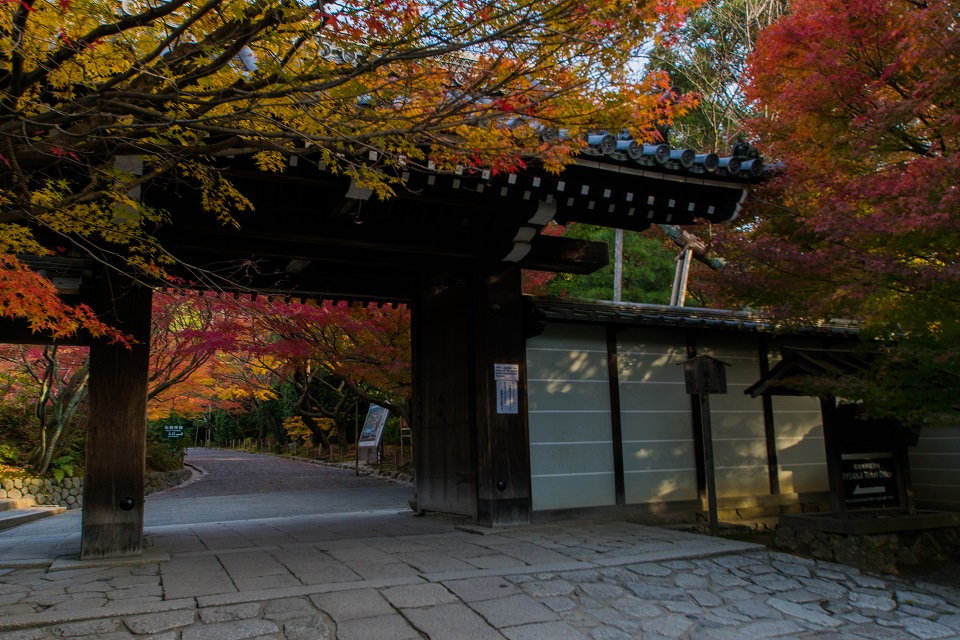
point(860, 105)
point(99, 97)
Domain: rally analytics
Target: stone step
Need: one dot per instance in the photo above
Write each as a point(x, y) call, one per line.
point(10, 518)
point(19, 503)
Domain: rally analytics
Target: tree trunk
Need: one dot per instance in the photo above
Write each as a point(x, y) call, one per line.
point(314, 428)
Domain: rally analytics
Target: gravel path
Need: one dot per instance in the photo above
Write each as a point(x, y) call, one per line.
point(230, 473)
point(245, 486)
point(248, 486)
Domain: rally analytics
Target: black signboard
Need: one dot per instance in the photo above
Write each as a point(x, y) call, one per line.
point(705, 375)
point(173, 430)
point(869, 481)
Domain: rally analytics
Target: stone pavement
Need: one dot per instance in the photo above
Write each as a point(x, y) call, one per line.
point(394, 576)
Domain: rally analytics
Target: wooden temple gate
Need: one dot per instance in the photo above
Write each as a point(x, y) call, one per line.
point(451, 246)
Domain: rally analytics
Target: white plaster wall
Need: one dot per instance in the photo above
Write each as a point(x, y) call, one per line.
point(935, 468)
point(568, 396)
point(658, 449)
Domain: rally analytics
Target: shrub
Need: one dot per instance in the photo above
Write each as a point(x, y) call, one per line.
point(64, 466)
point(161, 457)
point(9, 453)
point(163, 453)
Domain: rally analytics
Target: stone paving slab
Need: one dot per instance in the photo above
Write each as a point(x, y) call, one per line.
point(451, 622)
point(392, 576)
point(45, 618)
point(73, 562)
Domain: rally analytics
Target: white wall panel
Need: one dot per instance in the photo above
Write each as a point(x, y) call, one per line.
point(739, 440)
point(801, 456)
point(658, 450)
point(568, 395)
point(571, 445)
point(935, 468)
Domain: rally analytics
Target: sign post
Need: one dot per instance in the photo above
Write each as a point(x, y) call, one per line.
point(705, 375)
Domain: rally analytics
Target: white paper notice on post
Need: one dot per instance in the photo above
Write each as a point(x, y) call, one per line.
point(507, 391)
point(507, 377)
point(506, 372)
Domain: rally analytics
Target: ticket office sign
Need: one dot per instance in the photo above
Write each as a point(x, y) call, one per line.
point(870, 481)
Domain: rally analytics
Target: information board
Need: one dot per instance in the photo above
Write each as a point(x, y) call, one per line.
point(372, 430)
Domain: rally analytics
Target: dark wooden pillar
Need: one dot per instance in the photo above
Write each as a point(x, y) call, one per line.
point(444, 432)
point(834, 454)
point(503, 439)
point(616, 419)
point(769, 421)
point(696, 417)
point(113, 487)
point(472, 445)
point(905, 497)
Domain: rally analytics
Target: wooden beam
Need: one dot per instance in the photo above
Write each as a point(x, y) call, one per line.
point(834, 453)
point(566, 255)
point(696, 415)
point(706, 430)
point(15, 331)
point(683, 238)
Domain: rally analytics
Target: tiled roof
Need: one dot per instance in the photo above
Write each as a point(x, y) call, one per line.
point(626, 313)
point(744, 165)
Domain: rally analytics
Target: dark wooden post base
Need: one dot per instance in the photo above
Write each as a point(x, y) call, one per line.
point(113, 488)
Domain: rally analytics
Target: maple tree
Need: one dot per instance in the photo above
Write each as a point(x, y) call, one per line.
point(187, 331)
point(329, 355)
point(227, 362)
point(55, 379)
point(29, 296)
point(257, 391)
point(15, 412)
point(100, 97)
point(860, 104)
point(201, 368)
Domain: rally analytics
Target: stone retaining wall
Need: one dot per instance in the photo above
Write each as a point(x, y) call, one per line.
point(69, 491)
point(364, 469)
point(874, 552)
point(157, 481)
